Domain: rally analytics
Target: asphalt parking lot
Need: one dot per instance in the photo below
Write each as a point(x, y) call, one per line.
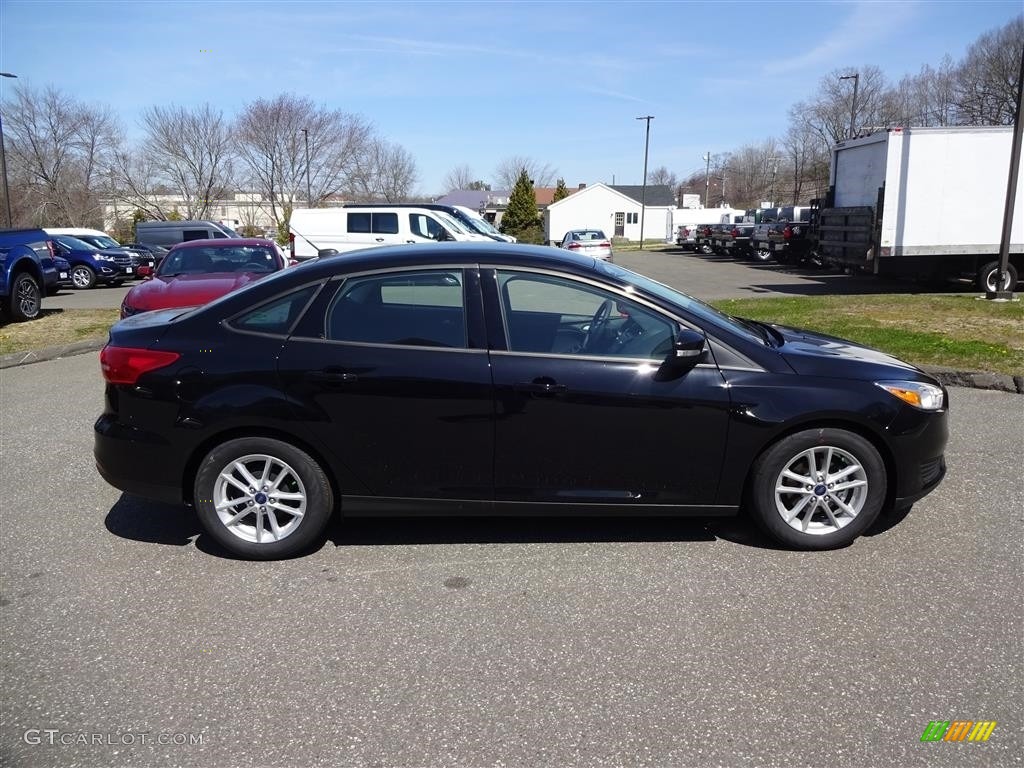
point(499, 643)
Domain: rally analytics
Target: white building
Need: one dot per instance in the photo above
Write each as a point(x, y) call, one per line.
point(241, 210)
point(614, 209)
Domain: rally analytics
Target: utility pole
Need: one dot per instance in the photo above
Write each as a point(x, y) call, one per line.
point(643, 192)
point(309, 194)
point(1011, 194)
point(3, 164)
point(853, 106)
point(775, 170)
point(707, 177)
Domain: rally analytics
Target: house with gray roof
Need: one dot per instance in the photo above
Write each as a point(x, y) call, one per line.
point(614, 209)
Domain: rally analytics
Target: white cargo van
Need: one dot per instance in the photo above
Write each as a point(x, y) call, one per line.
point(312, 230)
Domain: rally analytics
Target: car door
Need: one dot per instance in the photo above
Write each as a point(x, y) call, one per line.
point(585, 412)
point(390, 370)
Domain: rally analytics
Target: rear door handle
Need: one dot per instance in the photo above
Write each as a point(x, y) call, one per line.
point(542, 386)
point(332, 376)
point(380, 239)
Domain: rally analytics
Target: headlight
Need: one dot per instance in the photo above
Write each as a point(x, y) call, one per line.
point(104, 257)
point(127, 310)
point(927, 397)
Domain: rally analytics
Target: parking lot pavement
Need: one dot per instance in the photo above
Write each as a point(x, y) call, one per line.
point(100, 297)
point(722, 277)
point(515, 643)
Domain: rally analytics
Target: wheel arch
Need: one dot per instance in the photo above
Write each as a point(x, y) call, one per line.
point(188, 478)
point(833, 422)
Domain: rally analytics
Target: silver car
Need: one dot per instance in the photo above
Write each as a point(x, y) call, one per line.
point(590, 242)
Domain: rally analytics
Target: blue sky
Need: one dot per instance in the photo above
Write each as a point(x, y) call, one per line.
point(474, 82)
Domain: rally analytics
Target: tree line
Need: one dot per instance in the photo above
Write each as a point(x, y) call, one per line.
point(66, 158)
point(980, 89)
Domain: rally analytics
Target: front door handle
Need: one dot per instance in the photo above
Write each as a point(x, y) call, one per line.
point(543, 386)
point(379, 239)
point(332, 376)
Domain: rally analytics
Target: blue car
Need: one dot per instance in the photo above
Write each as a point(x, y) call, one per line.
point(29, 268)
point(91, 265)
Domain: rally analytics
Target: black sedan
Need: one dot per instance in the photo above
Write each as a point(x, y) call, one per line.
point(468, 378)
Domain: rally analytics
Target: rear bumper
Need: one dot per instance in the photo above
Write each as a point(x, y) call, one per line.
point(137, 462)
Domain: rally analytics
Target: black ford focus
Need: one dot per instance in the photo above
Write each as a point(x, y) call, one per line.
point(468, 378)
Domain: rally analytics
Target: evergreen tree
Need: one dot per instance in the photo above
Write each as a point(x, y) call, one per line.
point(561, 191)
point(521, 214)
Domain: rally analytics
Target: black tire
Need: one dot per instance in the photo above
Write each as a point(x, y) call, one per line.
point(116, 283)
point(986, 280)
point(308, 479)
point(869, 498)
point(82, 277)
point(26, 299)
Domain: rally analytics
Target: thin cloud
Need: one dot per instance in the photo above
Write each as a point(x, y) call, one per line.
point(861, 29)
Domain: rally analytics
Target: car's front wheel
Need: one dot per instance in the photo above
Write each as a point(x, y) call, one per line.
point(262, 498)
point(818, 489)
point(83, 277)
point(25, 302)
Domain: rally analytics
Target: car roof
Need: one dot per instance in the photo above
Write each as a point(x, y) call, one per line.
point(455, 254)
point(224, 242)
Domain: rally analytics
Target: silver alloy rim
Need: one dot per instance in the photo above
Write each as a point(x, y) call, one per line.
point(990, 282)
point(763, 254)
point(28, 297)
point(259, 498)
point(821, 490)
point(80, 277)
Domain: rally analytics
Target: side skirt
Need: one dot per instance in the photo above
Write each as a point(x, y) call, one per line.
point(377, 506)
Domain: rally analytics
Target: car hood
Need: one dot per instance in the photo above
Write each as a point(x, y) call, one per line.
point(186, 290)
point(816, 354)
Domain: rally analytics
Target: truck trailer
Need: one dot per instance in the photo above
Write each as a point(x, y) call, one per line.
point(923, 202)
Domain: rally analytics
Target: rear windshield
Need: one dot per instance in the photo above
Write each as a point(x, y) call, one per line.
point(588, 234)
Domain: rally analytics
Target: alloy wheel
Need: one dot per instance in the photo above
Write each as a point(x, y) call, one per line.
point(821, 490)
point(259, 498)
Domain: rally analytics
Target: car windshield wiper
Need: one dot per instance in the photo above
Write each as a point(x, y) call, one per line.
point(771, 336)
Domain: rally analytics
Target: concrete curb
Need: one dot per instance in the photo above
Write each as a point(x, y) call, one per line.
point(51, 353)
point(1001, 382)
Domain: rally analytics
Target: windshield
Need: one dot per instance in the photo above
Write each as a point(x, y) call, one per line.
point(103, 241)
point(693, 306)
point(449, 222)
point(481, 224)
point(252, 259)
point(75, 244)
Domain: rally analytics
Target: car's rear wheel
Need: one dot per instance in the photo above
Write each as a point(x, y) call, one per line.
point(762, 254)
point(706, 249)
point(83, 277)
point(818, 489)
point(262, 498)
point(25, 302)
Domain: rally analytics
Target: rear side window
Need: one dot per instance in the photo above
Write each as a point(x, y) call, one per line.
point(385, 223)
point(278, 316)
point(359, 222)
point(423, 309)
point(194, 234)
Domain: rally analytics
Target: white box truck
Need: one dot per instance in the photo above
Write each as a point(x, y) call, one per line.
point(923, 202)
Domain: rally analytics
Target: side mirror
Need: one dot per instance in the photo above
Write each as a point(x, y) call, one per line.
point(687, 350)
point(145, 272)
point(325, 252)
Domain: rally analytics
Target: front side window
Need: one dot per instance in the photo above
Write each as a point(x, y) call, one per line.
point(423, 308)
point(424, 226)
point(549, 314)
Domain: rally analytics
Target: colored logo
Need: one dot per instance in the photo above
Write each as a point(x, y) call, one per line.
point(958, 730)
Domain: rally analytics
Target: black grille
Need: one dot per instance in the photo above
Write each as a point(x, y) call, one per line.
point(931, 470)
point(123, 260)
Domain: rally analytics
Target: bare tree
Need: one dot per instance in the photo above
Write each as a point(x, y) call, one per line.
point(59, 150)
point(828, 111)
point(662, 175)
point(459, 177)
point(192, 154)
point(271, 138)
point(927, 98)
point(986, 88)
point(509, 169)
point(385, 172)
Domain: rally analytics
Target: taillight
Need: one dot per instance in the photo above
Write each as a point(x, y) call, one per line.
point(291, 243)
point(604, 245)
point(124, 365)
point(787, 233)
point(52, 248)
point(686, 232)
point(735, 232)
point(573, 246)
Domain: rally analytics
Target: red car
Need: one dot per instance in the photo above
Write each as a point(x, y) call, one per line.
point(200, 271)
